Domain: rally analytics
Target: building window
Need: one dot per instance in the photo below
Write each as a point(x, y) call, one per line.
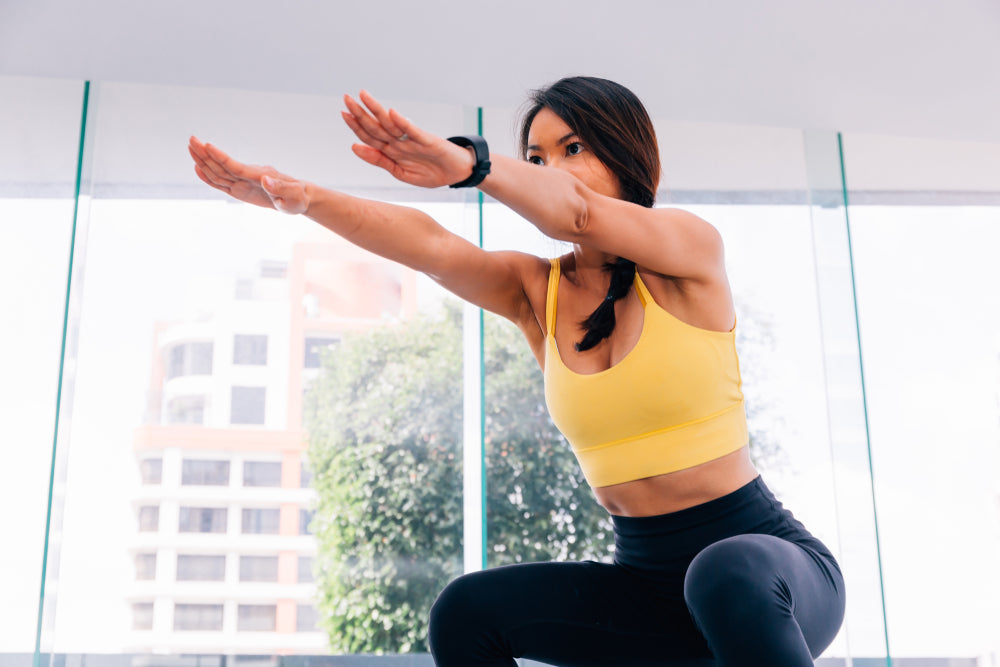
point(256, 660)
point(306, 618)
point(261, 521)
point(145, 567)
point(202, 520)
point(248, 405)
point(186, 410)
point(198, 472)
point(149, 518)
point(151, 471)
point(206, 617)
point(250, 350)
point(306, 575)
point(258, 568)
point(256, 617)
point(315, 347)
point(189, 359)
point(201, 568)
point(305, 521)
point(142, 616)
point(261, 473)
point(305, 476)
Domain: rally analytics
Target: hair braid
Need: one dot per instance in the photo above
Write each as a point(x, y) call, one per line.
point(601, 322)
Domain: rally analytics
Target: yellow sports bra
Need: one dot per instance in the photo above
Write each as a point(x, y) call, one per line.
point(675, 401)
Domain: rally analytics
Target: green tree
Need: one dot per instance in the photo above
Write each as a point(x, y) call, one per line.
point(385, 425)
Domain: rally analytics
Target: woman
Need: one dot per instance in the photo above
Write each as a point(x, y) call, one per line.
point(634, 330)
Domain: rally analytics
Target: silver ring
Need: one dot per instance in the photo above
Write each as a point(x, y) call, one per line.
point(403, 137)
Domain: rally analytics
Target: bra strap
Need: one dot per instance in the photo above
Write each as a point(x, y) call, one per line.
point(550, 297)
point(644, 296)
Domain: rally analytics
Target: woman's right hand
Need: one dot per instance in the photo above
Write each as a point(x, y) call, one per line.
point(262, 186)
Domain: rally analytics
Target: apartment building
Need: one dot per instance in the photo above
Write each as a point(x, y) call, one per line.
point(223, 550)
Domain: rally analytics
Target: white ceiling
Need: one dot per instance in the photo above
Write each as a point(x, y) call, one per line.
point(928, 68)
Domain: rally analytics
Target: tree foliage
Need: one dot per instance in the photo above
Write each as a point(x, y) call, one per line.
point(385, 424)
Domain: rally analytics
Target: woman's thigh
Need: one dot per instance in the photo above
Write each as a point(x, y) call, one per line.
point(761, 599)
point(568, 614)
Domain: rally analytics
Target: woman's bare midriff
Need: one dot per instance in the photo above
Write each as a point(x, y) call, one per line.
point(679, 490)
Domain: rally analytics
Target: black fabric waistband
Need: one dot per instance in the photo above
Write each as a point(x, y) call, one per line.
point(670, 541)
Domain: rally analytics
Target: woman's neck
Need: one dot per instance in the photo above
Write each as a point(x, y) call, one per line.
point(588, 269)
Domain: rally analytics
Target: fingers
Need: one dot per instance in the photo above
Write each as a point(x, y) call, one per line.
point(381, 115)
point(201, 174)
point(207, 169)
point(370, 155)
point(361, 133)
point(369, 124)
point(414, 133)
point(226, 167)
point(376, 157)
point(381, 128)
point(207, 157)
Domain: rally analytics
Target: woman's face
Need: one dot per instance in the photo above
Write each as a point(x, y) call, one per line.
point(552, 143)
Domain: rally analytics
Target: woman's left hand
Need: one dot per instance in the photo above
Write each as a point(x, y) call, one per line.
point(391, 141)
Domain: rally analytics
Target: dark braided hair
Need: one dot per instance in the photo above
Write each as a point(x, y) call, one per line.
point(612, 123)
point(601, 322)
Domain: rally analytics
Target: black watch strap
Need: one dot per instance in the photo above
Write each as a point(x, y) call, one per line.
point(482, 166)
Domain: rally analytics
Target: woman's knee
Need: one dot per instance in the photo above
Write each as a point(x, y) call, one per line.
point(736, 575)
point(453, 607)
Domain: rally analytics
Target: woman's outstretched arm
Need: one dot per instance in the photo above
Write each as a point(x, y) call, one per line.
point(492, 280)
point(672, 242)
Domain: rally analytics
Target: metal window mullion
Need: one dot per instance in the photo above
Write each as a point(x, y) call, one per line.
point(847, 403)
point(474, 413)
point(67, 366)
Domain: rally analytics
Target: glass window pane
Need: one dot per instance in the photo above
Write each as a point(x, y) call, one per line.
point(305, 476)
point(250, 350)
point(261, 521)
point(257, 617)
point(186, 410)
point(315, 347)
point(198, 472)
point(306, 618)
point(149, 518)
point(151, 471)
point(305, 521)
point(261, 473)
point(142, 616)
point(200, 358)
point(202, 520)
point(165, 379)
point(925, 221)
point(201, 568)
point(200, 617)
point(145, 567)
point(248, 405)
point(258, 568)
point(306, 575)
point(192, 358)
point(39, 150)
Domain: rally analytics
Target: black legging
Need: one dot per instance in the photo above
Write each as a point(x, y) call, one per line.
point(737, 579)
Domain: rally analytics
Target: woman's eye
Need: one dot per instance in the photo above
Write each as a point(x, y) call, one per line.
point(574, 148)
point(535, 159)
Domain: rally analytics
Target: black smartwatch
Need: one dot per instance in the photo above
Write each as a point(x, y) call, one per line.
point(482, 166)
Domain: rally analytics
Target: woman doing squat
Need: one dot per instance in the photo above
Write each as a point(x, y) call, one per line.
point(634, 330)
